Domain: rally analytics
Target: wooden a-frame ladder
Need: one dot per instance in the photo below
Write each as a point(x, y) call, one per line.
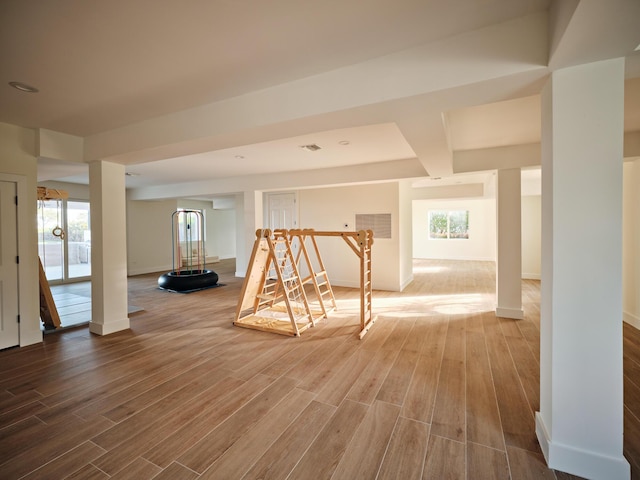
point(273, 287)
point(273, 282)
point(317, 277)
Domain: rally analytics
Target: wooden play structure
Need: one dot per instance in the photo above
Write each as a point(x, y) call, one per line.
point(275, 297)
point(48, 311)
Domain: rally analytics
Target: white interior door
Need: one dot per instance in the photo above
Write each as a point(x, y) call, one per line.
point(282, 211)
point(9, 326)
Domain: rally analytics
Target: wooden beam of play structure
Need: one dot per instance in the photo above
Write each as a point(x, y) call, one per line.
point(273, 283)
point(45, 193)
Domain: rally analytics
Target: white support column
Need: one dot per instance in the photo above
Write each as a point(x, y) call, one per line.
point(580, 422)
point(109, 311)
point(248, 220)
point(509, 239)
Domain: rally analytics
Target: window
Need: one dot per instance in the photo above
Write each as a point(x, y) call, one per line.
point(189, 225)
point(449, 224)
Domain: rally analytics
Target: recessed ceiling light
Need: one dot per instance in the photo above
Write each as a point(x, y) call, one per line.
point(131, 174)
point(23, 87)
point(310, 148)
point(239, 157)
point(344, 142)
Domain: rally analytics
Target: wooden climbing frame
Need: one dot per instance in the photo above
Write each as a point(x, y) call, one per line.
point(360, 242)
point(273, 285)
point(272, 288)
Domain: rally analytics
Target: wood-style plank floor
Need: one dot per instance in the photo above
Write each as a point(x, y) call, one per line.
point(73, 303)
point(438, 389)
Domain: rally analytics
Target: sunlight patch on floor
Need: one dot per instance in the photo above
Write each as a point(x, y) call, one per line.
point(429, 269)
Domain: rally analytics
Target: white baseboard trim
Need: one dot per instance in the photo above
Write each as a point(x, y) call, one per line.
point(207, 259)
point(163, 268)
point(376, 285)
point(632, 320)
point(515, 313)
point(336, 282)
point(111, 327)
point(531, 276)
point(143, 271)
point(406, 283)
point(580, 462)
point(463, 258)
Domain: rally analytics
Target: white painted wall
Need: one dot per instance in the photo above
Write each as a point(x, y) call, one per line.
point(531, 237)
point(17, 159)
point(149, 236)
point(631, 243)
point(330, 208)
point(149, 226)
point(221, 231)
point(481, 244)
point(220, 226)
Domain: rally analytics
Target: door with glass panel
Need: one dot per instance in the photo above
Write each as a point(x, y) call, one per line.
point(64, 240)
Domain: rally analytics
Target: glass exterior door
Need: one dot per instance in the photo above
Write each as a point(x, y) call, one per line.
point(78, 240)
point(64, 239)
point(50, 245)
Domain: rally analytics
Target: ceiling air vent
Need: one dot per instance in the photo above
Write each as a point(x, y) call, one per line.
point(310, 148)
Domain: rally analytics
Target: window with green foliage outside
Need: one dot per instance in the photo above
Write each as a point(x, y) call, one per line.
point(449, 224)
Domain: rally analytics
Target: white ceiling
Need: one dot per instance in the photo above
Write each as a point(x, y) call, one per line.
point(184, 92)
point(100, 65)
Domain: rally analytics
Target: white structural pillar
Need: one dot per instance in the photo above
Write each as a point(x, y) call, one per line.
point(509, 240)
point(109, 311)
point(580, 422)
point(248, 220)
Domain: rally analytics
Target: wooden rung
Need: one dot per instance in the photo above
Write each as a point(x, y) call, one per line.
point(264, 296)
